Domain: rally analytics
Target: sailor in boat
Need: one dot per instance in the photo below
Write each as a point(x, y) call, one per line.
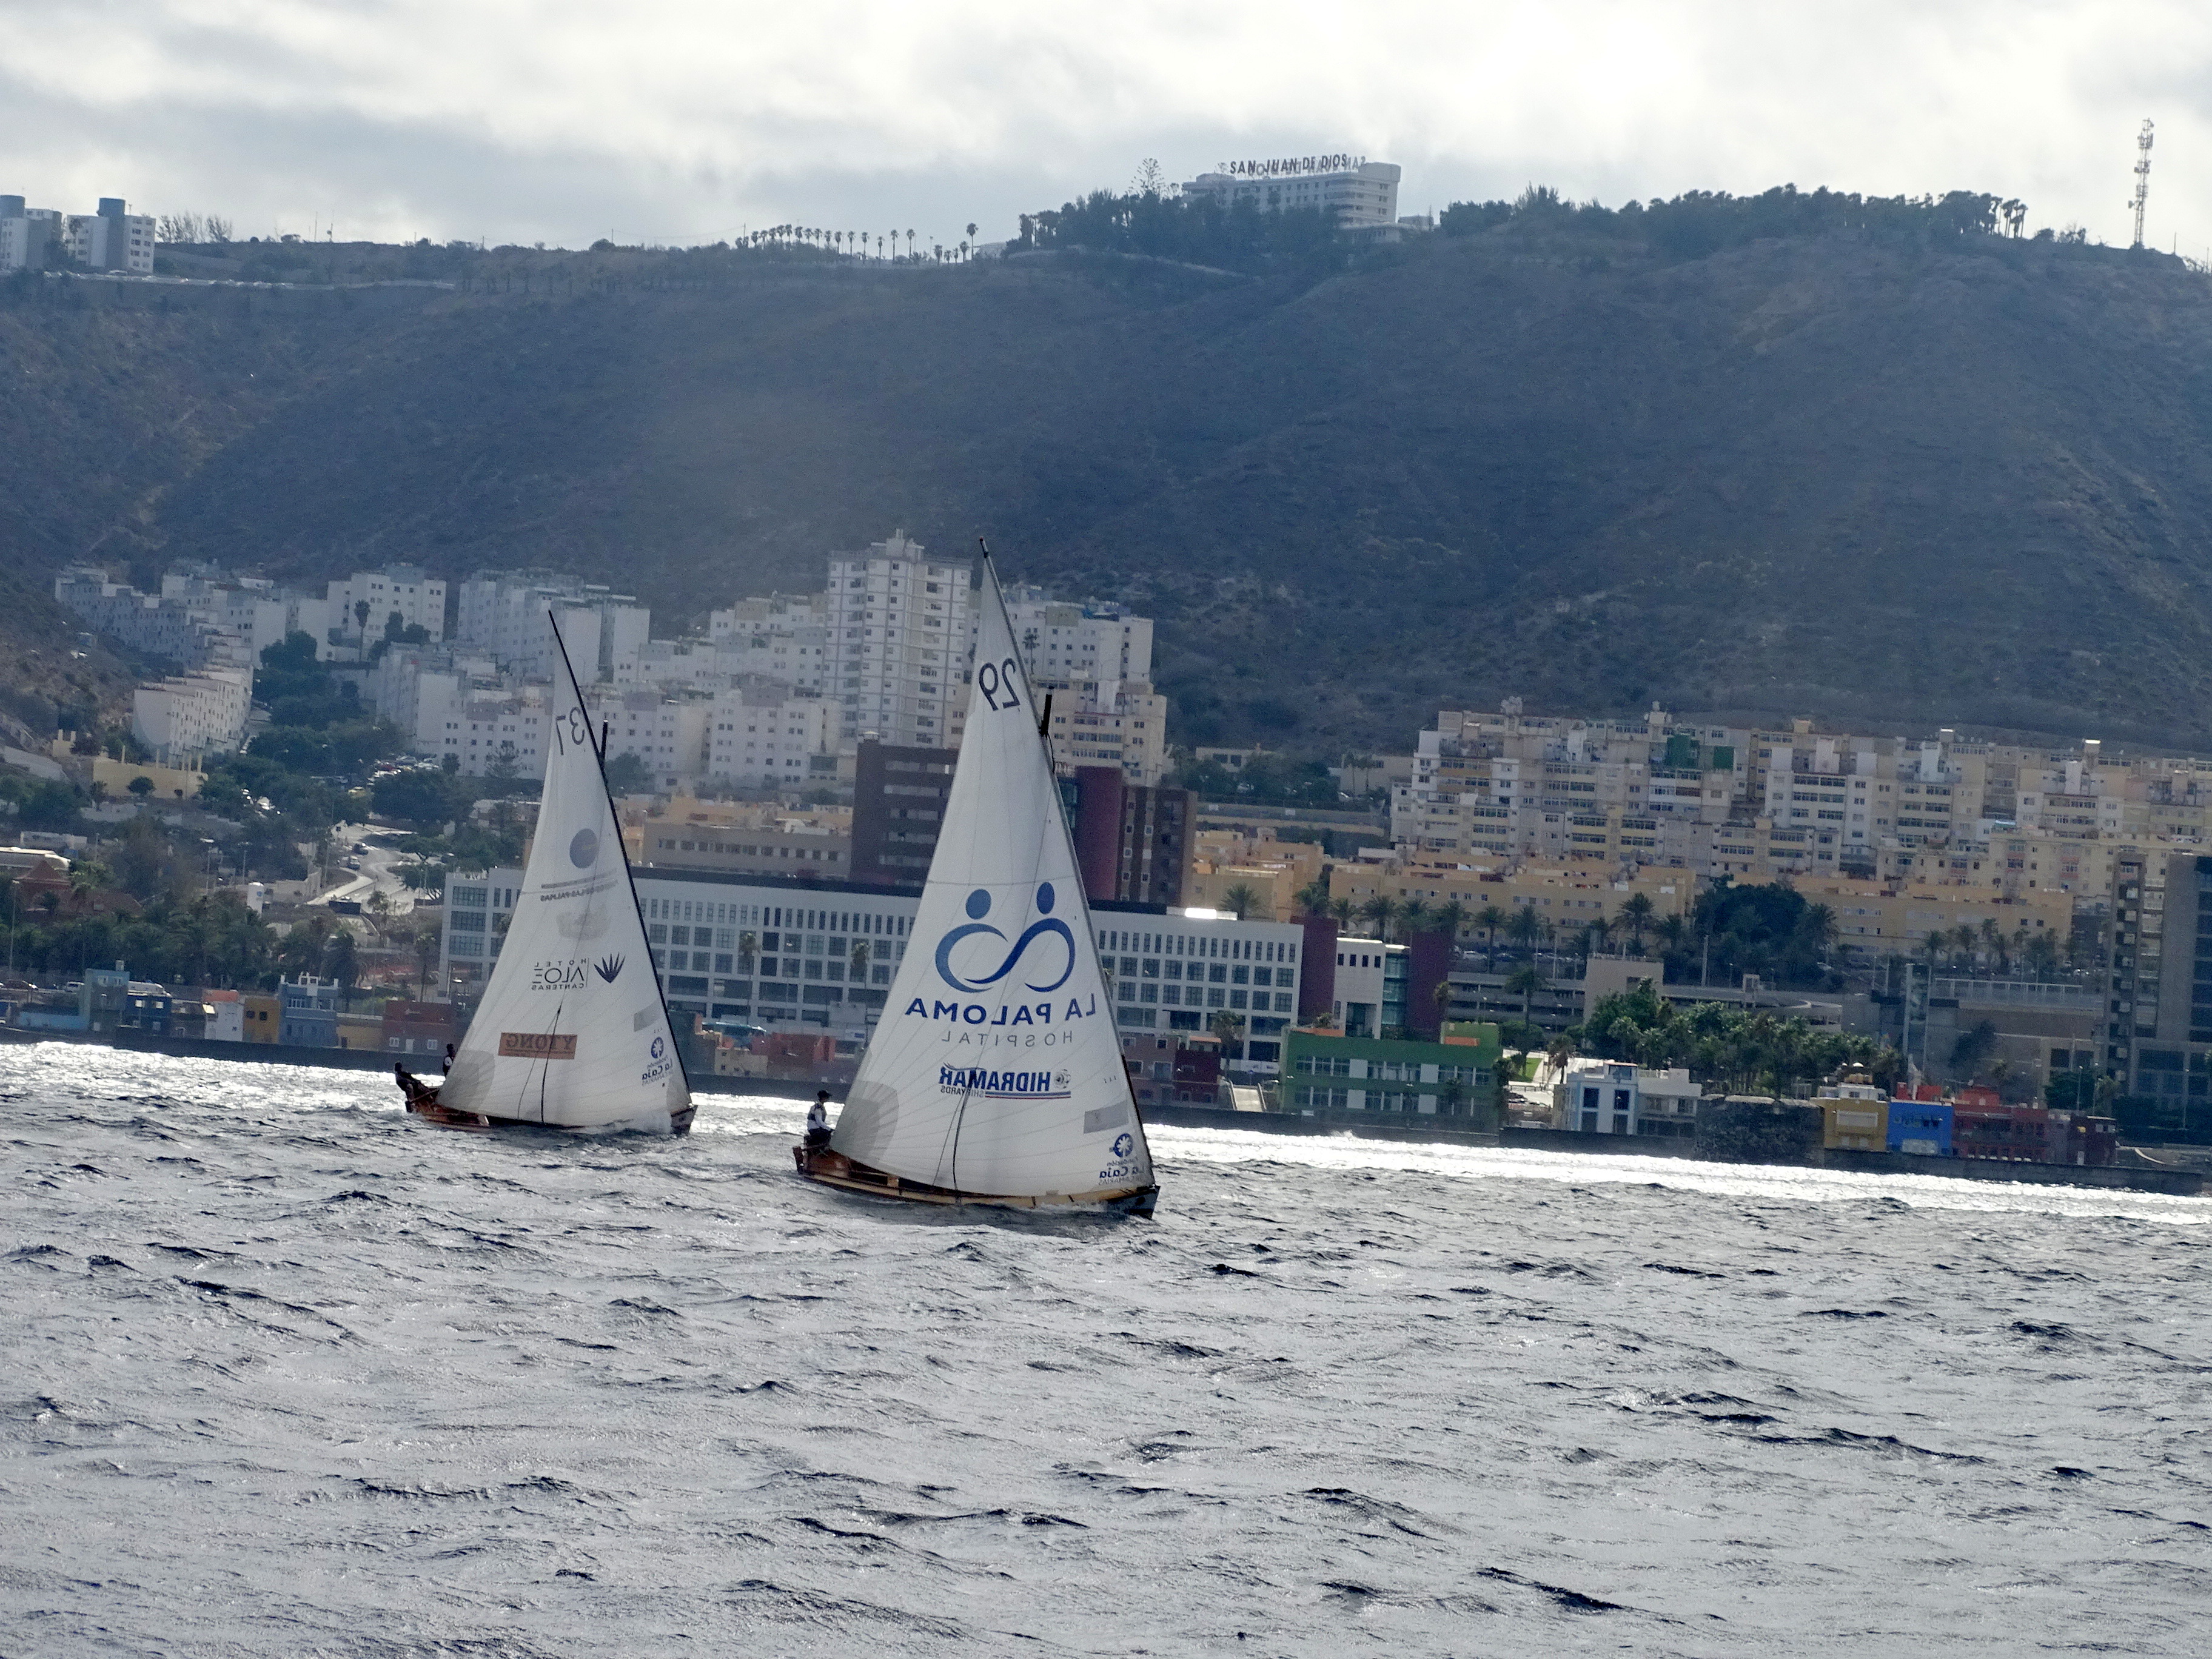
point(817, 1121)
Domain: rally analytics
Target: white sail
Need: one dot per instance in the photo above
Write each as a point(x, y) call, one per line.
point(995, 1070)
point(571, 1031)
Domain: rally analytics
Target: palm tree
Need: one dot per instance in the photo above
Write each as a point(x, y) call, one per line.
point(1635, 914)
point(1342, 910)
point(1524, 983)
point(1934, 945)
point(426, 952)
point(748, 944)
point(1313, 898)
point(87, 877)
point(1450, 918)
point(1489, 918)
point(1240, 899)
point(1226, 1023)
point(343, 963)
point(1379, 912)
point(858, 972)
point(1526, 926)
point(971, 233)
point(1413, 917)
point(1600, 934)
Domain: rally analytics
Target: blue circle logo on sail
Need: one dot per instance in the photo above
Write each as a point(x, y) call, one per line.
point(1122, 1145)
point(584, 849)
point(979, 906)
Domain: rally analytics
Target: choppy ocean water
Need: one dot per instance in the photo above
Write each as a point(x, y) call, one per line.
point(282, 1372)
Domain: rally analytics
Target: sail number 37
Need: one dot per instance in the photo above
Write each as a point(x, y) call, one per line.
point(996, 681)
point(571, 731)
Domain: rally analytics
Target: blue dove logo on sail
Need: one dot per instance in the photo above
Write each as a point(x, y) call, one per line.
point(1048, 927)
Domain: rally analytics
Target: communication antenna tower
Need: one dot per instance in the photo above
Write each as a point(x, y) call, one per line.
point(2143, 179)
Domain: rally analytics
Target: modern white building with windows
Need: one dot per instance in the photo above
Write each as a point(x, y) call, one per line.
point(1363, 194)
point(1612, 1097)
point(197, 714)
point(763, 736)
point(417, 598)
point(505, 613)
point(113, 239)
point(899, 631)
point(1065, 643)
point(1177, 970)
point(486, 732)
point(795, 954)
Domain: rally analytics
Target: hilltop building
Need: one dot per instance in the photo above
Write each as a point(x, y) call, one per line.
point(111, 238)
point(1362, 194)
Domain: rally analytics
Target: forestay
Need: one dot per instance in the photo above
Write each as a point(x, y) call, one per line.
point(571, 1031)
point(995, 1070)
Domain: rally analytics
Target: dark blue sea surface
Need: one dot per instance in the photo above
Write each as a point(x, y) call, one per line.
point(286, 1373)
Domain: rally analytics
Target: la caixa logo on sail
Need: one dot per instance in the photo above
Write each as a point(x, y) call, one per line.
point(975, 957)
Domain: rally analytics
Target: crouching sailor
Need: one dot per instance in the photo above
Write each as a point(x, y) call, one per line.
point(817, 1121)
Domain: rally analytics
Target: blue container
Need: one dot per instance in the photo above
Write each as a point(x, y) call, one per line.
point(1922, 1127)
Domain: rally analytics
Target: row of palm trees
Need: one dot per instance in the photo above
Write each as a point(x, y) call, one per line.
point(855, 242)
point(1989, 948)
point(1524, 928)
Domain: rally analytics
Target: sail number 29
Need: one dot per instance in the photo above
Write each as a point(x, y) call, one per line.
point(996, 681)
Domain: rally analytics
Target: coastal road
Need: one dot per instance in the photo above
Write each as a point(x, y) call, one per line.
point(378, 872)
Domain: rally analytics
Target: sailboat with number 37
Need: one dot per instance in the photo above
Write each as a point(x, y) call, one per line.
point(995, 1075)
point(571, 1032)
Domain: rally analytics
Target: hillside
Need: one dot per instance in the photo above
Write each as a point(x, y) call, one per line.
point(1963, 481)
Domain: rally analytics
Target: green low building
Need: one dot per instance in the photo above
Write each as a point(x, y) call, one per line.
point(1325, 1071)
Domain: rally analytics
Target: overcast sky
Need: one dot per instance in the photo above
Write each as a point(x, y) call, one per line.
point(679, 121)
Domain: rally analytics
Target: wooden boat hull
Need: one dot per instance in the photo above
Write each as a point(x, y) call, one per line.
point(834, 1169)
point(423, 1101)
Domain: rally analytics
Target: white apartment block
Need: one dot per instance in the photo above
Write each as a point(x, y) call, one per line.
point(899, 628)
point(507, 612)
point(141, 621)
point(182, 719)
point(415, 596)
point(29, 236)
point(1362, 194)
point(111, 238)
point(674, 667)
point(1110, 723)
point(784, 637)
point(253, 610)
point(1066, 643)
point(668, 735)
point(508, 731)
point(767, 737)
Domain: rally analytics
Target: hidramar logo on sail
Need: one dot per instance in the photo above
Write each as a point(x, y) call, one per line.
point(1002, 1085)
